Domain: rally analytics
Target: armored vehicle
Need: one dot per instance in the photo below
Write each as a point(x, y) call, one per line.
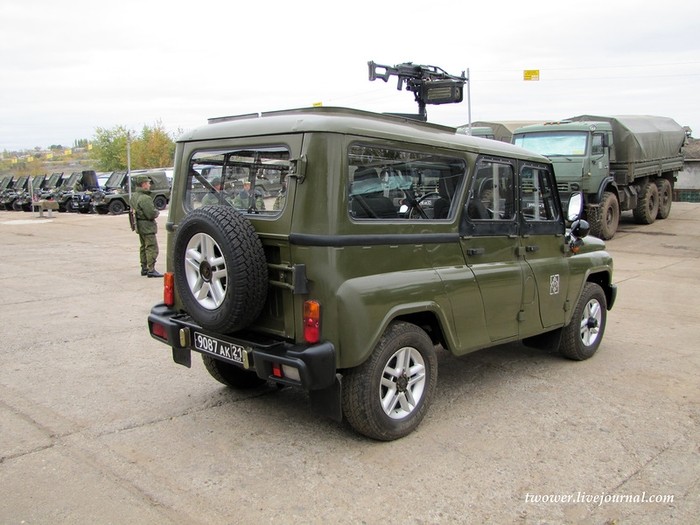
point(114, 198)
point(394, 238)
point(620, 163)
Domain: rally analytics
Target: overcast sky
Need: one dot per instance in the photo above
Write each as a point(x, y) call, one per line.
point(69, 68)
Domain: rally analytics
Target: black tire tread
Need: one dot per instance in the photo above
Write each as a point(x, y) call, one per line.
point(360, 404)
point(246, 263)
point(571, 346)
point(231, 375)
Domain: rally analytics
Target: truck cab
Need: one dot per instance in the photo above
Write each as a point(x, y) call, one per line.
point(620, 163)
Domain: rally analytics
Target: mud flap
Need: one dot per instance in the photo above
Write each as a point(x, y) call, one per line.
point(327, 400)
point(548, 341)
point(182, 356)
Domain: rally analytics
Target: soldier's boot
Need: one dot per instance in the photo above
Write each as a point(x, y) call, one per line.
point(154, 273)
point(144, 270)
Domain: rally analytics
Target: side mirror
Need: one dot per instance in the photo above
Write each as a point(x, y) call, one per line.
point(580, 229)
point(575, 208)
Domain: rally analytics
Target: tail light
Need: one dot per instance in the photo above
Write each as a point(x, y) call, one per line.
point(169, 288)
point(312, 321)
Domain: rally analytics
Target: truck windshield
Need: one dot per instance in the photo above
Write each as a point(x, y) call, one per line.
point(553, 144)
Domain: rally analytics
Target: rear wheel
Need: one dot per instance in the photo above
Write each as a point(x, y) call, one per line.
point(160, 202)
point(606, 217)
point(665, 198)
point(231, 375)
point(388, 395)
point(647, 205)
point(582, 337)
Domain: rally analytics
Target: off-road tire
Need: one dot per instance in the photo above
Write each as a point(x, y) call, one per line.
point(647, 205)
point(402, 371)
point(665, 198)
point(116, 207)
point(582, 337)
point(605, 218)
point(231, 375)
point(220, 268)
point(160, 202)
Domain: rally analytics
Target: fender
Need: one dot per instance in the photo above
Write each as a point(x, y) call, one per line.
point(607, 181)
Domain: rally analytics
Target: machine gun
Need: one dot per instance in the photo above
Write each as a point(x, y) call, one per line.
point(429, 84)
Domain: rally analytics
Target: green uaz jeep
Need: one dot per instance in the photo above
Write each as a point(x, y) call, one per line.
point(388, 237)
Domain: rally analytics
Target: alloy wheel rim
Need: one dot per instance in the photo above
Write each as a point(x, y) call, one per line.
point(205, 270)
point(403, 383)
point(591, 322)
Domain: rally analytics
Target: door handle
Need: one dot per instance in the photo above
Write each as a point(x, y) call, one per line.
point(532, 248)
point(476, 251)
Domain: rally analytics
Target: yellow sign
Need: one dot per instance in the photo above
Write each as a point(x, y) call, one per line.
point(531, 74)
point(317, 104)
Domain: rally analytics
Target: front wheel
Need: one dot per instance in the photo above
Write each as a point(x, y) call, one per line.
point(605, 219)
point(387, 396)
point(582, 337)
point(116, 207)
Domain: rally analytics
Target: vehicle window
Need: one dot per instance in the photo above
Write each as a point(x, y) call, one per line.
point(386, 184)
point(553, 144)
point(538, 194)
point(252, 179)
point(597, 144)
point(492, 193)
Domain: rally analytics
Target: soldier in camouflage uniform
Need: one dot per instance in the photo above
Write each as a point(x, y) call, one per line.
point(145, 214)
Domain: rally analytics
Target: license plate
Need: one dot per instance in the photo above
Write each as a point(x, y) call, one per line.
point(217, 347)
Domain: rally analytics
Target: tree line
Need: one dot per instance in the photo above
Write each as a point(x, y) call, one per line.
point(151, 148)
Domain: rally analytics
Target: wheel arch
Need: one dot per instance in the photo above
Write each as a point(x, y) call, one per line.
point(604, 280)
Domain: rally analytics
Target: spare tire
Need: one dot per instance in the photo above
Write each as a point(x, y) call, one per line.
point(220, 268)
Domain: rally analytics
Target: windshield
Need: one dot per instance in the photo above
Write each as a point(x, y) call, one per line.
point(553, 144)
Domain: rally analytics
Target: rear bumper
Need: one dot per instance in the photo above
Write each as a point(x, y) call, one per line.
point(269, 358)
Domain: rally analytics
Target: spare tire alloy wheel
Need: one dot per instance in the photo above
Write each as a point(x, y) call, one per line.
point(388, 395)
point(220, 268)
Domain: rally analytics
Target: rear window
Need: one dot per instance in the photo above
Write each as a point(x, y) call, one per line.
point(250, 179)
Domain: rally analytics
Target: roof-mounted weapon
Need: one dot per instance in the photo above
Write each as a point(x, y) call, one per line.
point(429, 84)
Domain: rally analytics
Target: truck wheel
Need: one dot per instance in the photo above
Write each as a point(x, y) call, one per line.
point(160, 202)
point(582, 337)
point(665, 198)
point(220, 268)
point(231, 375)
point(647, 205)
point(387, 396)
point(605, 218)
point(116, 207)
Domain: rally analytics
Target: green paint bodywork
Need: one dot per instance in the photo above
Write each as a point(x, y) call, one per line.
point(365, 274)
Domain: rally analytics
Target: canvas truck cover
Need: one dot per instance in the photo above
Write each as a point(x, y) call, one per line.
point(641, 138)
point(503, 129)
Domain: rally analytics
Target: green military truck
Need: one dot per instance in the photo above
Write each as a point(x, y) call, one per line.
point(114, 198)
point(395, 239)
point(620, 163)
